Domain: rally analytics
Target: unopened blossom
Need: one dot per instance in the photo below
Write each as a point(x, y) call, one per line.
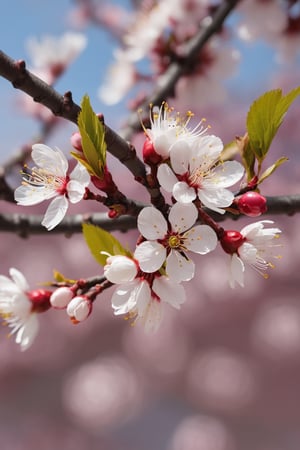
point(168, 127)
point(50, 179)
point(255, 246)
point(17, 309)
point(197, 171)
point(172, 242)
point(142, 297)
point(61, 297)
point(79, 308)
point(56, 53)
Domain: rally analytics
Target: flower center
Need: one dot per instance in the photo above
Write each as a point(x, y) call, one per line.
point(174, 241)
point(40, 178)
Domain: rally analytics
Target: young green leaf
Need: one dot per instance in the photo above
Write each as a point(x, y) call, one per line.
point(271, 169)
point(92, 133)
point(99, 240)
point(265, 116)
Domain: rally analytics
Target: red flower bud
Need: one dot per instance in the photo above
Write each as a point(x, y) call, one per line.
point(149, 154)
point(252, 204)
point(40, 299)
point(76, 141)
point(231, 241)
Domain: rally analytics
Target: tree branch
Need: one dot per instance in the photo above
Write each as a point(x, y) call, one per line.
point(26, 225)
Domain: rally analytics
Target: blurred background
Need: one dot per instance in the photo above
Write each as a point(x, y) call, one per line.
point(222, 373)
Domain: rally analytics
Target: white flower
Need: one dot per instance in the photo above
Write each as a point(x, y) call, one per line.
point(141, 296)
point(50, 179)
point(16, 308)
point(196, 171)
point(168, 126)
point(171, 243)
point(256, 251)
point(119, 80)
point(56, 52)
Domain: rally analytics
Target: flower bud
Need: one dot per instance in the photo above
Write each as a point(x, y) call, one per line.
point(76, 141)
point(79, 309)
point(40, 300)
point(150, 156)
point(120, 269)
point(61, 297)
point(252, 204)
point(231, 241)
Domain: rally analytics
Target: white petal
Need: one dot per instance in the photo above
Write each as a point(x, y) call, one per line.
point(166, 177)
point(75, 191)
point(183, 193)
point(154, 315)
point(162, 145)
point(182, 216)
point(152, 224)
point(169, 292)
point(227, 174)
point(52, 160)
point(80, 174)
point(56, 212)
point(201, 239)
point(180, 157)
point(27, 332)
point(124, 297)
point(179, 268)
point(27, 195)
point(248, 253)
point(19, 279)
point(120, 269)
point(236, 271)
point(150, 255)
point(216, 198)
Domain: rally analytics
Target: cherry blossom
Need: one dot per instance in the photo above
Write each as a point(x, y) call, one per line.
point(168, 126)
point(196, 171)
point(54, 54)
point(50, 179)
point(141, 296)
point(16, 308)
point(254, 246)
point(171, 243)
point(79, 308)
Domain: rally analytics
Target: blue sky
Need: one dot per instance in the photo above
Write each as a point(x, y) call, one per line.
point(23, 18)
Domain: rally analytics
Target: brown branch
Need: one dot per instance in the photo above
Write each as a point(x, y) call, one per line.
point(166, 83)
point(26, 225)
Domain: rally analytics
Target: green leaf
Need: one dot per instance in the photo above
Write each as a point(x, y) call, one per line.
point(271, 169)
point(59, 277)
point(265, 116)
point(92, 133)
point(99, 240)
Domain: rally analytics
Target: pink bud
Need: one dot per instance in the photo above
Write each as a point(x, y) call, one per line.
point(79, 309)
point(252, 204)
point(40, 300)
point(231, 241)
point(61, 297)
point(76, 141)
point(149, 154)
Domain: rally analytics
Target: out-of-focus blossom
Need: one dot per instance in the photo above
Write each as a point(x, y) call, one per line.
point(54, 54)
point(254, 246)
point(16, 308)
point(196, 171)
point(119, 79)
point(141, 297)
point(51, 179)
point(171, 244)
point(261, 19)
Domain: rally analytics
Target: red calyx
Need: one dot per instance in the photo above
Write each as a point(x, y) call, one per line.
point(40, 299)
point(252, 204)
point(150, 156)
point(106, 183)
point(231, 241)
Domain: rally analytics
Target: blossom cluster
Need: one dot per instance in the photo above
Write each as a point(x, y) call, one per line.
point(187, 163)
